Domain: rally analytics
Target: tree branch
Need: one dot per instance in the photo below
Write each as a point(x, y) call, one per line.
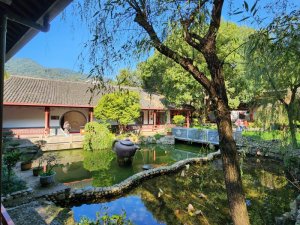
point(186, 24)
point(214, 25)
point(184, 62)
point(294, 92)
point(276, 91)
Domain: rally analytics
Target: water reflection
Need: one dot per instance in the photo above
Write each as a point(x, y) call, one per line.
point(164, 199)
point(79, 168)
point(135, 210)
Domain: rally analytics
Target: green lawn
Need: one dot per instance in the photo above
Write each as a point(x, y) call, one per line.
point(268, 135)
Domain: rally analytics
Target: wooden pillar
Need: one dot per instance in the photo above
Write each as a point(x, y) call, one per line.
point(154, 118)
point(188, 119)
point(47, 120)
point(91, 114)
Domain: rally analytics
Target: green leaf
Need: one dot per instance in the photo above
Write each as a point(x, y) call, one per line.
point(236, 13)
point(245, 18)
point(246, 6)
point(254, 6)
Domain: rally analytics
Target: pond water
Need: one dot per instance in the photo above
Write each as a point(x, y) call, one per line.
point(164, 199)
point(79, 168)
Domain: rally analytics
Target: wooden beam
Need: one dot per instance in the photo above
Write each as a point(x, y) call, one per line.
point(7, 2)
point(5, 218)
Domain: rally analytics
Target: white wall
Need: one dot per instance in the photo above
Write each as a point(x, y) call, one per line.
point(26, 116)
point(145, 112)
point(23, 116)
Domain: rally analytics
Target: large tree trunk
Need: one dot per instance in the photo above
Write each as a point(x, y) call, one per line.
point(292, 126)
point(231, 167)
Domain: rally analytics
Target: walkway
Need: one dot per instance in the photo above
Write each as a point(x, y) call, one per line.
point(205, 136)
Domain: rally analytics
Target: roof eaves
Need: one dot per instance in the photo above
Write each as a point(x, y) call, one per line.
point(51, 13)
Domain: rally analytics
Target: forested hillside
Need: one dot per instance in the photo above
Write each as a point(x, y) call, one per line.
point(30, 68)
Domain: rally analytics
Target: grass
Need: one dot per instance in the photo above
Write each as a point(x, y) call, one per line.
point(206, 126)
point(268, 135)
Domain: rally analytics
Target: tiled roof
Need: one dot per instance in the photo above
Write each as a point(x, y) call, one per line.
point(37, 91)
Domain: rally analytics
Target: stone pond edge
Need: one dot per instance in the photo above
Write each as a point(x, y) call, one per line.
point(92, 194)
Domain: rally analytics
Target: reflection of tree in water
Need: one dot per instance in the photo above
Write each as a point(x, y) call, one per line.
point(265, 185)
point(178, 191)
point(99, 162)
point(115, 174)
point(203, 187)
point(97, 159)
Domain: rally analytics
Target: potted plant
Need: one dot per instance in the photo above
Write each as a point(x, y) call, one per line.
point(37, 170)
point(169, 131)
point(26, 163)
point(48, 174)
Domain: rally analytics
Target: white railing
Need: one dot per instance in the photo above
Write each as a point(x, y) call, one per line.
point(202, 136)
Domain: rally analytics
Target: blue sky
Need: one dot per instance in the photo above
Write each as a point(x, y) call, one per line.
point(61, 46)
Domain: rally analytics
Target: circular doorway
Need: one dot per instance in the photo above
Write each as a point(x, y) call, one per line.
point(76, 120)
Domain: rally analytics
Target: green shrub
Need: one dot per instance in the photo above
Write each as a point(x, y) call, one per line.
point(97, 136)
point(129, 135)
point(179, 120)
point(11, 183)
point(10, 159)
point(196, 122)
point(158, 136)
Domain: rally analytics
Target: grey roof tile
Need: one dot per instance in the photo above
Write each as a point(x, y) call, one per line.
point(28, 90)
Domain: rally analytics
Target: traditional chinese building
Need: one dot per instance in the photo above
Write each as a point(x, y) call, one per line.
point(41, 106)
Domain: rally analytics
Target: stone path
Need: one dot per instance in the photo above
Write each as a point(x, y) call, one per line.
point(33, 183)
point(41, 213)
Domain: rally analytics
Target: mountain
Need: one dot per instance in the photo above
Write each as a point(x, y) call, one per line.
point(30, 68)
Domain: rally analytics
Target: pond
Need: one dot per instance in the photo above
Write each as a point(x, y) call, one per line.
point(79, 168)
point(164, 199)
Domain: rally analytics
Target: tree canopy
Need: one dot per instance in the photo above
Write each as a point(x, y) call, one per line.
point(122, 107)
point(161, 74)
point(127, 77)
point(273, 56)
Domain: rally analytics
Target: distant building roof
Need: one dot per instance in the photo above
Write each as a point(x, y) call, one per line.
point(45, 92)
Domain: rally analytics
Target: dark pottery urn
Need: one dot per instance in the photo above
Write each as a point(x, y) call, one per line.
point(125, 150)
point(47, 180)
point(36, 171)
point(26, 165)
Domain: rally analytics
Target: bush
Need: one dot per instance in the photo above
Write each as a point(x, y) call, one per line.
point(196, 122)
point(179, 120)
point(158, 136)
point(10, 159)
point(97, 136)
point(129, 135)
point(11, 183)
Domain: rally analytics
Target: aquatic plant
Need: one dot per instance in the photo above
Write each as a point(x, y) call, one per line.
point(106, 220)
point(97, 136)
